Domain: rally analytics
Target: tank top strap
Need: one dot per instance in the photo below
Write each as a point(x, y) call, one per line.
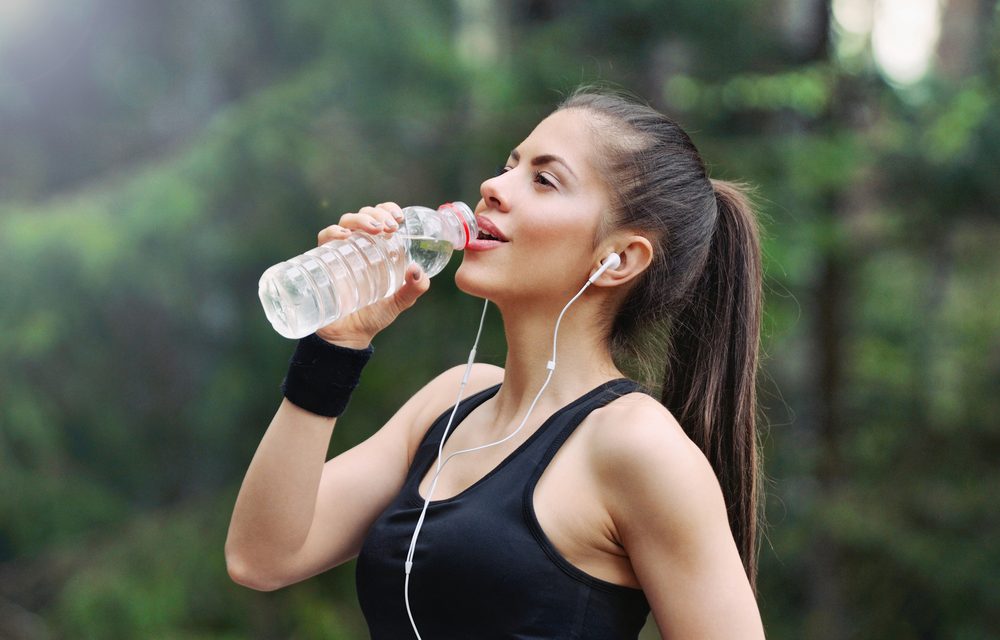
point(428, 448)
point(569, 419)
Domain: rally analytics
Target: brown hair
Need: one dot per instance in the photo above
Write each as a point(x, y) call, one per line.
point(700, 298)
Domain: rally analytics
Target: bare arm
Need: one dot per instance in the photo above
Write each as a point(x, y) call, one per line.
point(277, 504)
point(670, 517)
point(297, 515)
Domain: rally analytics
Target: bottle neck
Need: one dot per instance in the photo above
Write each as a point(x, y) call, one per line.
point(465, 220)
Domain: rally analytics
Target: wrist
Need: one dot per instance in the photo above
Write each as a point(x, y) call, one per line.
point(347, 342)
point(321, 375)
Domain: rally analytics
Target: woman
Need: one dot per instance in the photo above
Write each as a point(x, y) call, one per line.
point(606, 503)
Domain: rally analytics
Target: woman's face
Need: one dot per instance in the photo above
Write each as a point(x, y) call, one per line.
point(547, 204)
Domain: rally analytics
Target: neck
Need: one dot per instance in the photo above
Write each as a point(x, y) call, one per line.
point(583, 361)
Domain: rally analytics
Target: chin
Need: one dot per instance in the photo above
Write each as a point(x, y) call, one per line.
point(468, 283)
point(482, 281)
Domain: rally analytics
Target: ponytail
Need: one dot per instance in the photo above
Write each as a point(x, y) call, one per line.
point(711, 371)
point(700, 298)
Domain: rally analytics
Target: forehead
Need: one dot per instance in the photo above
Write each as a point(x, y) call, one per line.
point(566, 133)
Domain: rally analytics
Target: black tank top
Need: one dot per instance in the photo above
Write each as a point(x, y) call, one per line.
point(483, 568)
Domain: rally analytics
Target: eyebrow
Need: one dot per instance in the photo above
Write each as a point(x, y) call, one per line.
point(543, 159)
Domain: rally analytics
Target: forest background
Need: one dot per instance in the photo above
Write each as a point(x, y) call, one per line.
point(156, 157)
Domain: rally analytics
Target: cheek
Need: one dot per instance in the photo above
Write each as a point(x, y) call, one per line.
point(561, 260)
point(565, 242)
point(567, 226)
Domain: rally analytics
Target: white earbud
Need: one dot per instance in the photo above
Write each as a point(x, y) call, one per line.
point(610, 262)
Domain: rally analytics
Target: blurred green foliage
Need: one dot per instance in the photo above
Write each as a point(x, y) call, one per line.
point(157, 157)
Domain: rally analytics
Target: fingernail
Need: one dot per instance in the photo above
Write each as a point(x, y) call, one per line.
point(392, 224)
point(375, 224)
point(417, 274)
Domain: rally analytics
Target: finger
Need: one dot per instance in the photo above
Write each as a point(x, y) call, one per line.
point(417, 284)
point(333, 232)
point(383, 216)
point(394, 209)
point(361, 221)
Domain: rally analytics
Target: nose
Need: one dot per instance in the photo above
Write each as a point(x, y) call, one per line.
point(494, 193)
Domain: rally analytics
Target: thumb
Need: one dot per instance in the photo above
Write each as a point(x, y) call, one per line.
point(417, 283)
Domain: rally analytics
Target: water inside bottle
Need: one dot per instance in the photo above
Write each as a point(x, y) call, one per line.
point(430, 253)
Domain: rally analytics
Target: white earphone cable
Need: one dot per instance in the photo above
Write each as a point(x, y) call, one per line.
point(423, 512)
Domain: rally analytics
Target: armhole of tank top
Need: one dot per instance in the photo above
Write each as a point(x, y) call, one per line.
point(528, 500)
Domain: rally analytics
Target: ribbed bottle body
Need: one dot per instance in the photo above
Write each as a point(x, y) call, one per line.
point(336, 279)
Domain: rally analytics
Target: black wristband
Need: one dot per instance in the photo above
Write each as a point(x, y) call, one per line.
point(321, 376)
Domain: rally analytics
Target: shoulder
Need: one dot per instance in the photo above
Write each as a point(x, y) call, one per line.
point(443, 388)
point(667, 512)
point(441, 392)
point(648, 468)
point(637, 432)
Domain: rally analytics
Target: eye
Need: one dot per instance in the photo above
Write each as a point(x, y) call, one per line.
point(501, 169)
point(542, 180)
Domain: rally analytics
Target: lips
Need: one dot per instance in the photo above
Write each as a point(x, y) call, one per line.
point(488, 230)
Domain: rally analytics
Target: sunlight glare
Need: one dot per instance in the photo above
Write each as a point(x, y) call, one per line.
point(854, 15)
point(904, 38)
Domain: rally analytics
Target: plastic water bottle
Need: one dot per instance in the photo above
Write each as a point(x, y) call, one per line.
point(338, 278)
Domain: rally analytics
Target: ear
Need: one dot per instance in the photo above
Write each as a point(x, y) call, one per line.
point(636, 257)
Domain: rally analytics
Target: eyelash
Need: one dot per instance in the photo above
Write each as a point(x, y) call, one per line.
point(542, 180)
point(539, 177)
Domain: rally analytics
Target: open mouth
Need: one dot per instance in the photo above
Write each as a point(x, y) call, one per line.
point(488, 230)
point(486, 236)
